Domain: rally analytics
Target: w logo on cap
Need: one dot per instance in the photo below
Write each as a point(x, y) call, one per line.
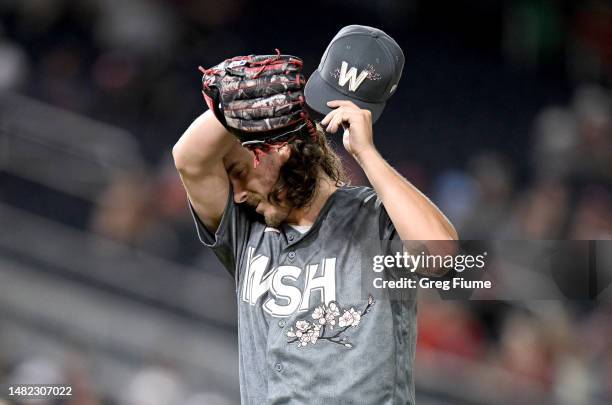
point(350, 76)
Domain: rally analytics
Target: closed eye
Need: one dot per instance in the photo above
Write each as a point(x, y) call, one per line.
point(238, 173)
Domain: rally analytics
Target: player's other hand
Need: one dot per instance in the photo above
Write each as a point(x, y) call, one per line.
point(359, 138)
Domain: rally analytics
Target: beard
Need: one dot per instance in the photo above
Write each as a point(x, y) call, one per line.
point(275, 219)
point(273, 215)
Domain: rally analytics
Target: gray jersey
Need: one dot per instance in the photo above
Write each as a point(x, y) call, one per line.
point(308, 331)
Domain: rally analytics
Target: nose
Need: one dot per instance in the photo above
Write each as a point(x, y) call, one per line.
point(240, 195)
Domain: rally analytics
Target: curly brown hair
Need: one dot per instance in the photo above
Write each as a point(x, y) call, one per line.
point(299, 176)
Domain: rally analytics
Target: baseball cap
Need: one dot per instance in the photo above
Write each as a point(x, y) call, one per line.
point(361, 64)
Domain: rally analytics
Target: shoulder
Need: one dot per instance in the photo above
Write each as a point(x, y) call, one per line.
point(358, 195)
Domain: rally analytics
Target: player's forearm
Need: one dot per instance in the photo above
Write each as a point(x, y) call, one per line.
point(203, 144)
point(414, 216)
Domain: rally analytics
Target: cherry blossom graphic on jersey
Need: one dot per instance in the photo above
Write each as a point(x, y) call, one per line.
point(324, 319)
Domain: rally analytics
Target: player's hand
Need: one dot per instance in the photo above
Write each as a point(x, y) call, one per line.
point(359, 138)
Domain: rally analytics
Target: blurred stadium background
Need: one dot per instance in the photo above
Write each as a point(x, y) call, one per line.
point(503, 117)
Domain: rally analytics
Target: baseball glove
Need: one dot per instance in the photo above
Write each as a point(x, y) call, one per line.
point(258, 98)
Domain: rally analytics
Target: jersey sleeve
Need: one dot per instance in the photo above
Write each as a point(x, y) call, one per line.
point(390, 239)
point(390, 244)
point(231, 235)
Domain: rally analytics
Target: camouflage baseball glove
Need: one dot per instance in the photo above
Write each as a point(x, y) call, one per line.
point(258, 98)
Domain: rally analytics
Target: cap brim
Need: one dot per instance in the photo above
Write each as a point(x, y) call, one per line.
point(317, 93)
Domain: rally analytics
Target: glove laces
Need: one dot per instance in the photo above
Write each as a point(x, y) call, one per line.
point(265, 62)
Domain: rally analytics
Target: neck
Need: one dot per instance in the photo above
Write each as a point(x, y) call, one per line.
point(307, 215)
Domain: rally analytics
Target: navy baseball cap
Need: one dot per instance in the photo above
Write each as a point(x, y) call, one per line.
point(361, 64)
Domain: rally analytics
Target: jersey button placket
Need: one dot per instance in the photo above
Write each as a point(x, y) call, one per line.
point(278, 367)
point(291, 237)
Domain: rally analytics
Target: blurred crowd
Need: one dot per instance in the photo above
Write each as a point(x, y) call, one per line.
point(567, 194)
point(132, 64)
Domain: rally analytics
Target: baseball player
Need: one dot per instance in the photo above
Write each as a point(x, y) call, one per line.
point(269, 196)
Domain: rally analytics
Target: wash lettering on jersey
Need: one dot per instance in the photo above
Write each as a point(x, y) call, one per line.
point(286, 298)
